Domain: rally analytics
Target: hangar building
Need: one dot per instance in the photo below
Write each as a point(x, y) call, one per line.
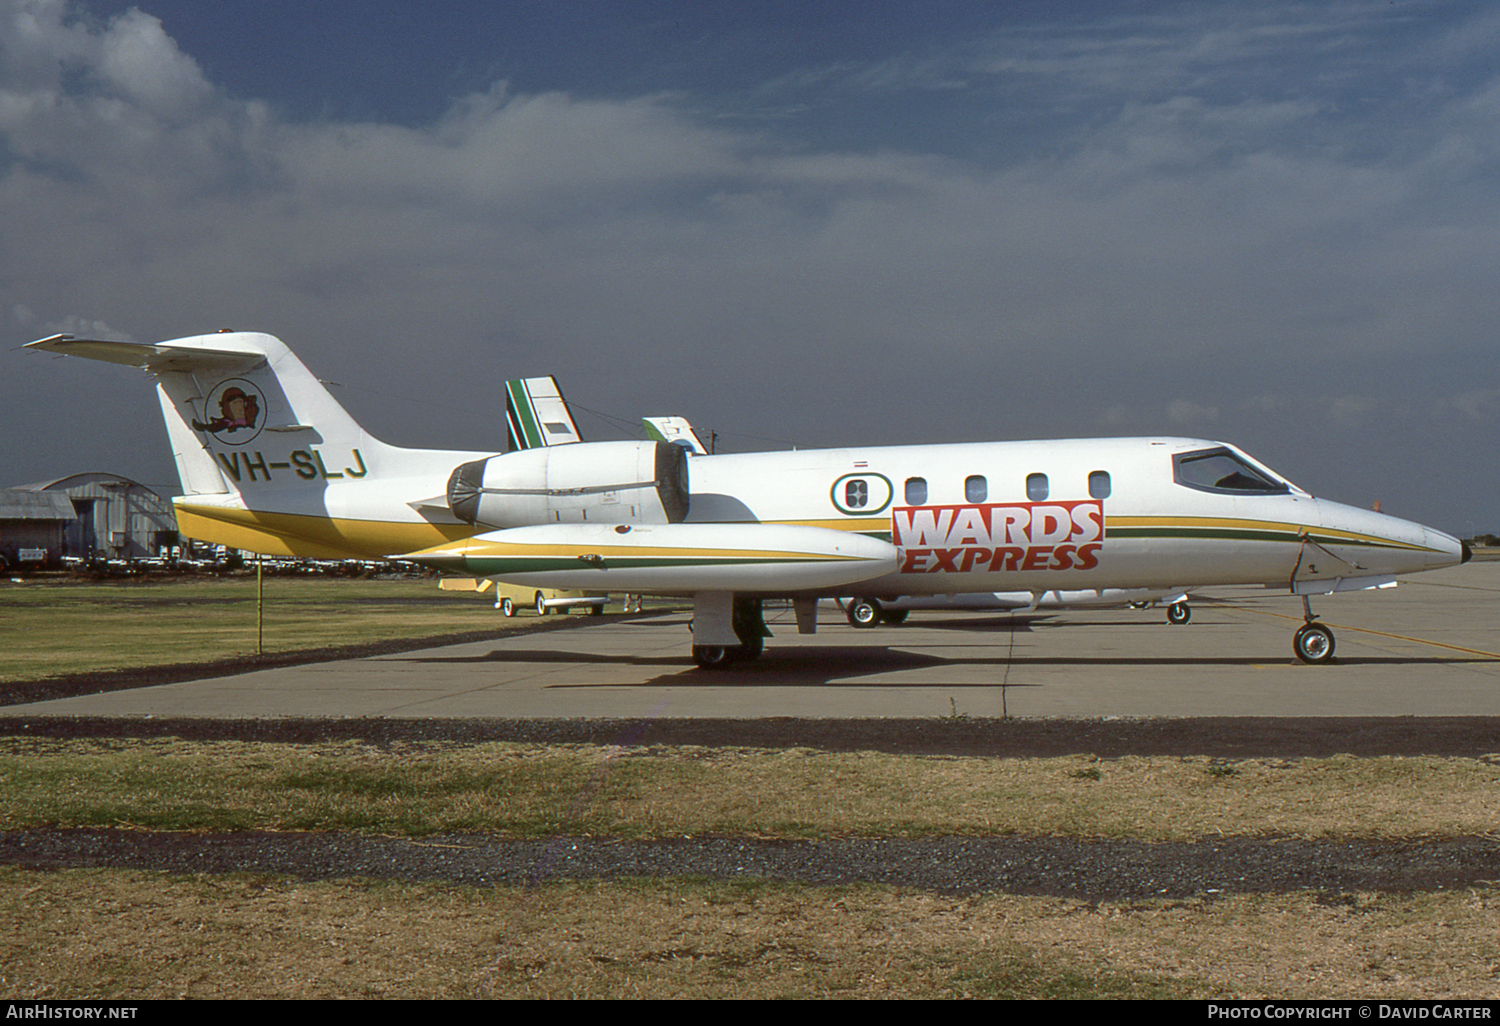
point(31, 528)
point(96, 516)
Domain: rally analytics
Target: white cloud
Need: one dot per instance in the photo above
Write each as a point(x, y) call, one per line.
point(139, 60)
point(1479, 407)
point(1165, 255)
point(1185, 411)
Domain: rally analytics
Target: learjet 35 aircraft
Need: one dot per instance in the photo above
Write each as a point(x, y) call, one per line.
point(271, 463)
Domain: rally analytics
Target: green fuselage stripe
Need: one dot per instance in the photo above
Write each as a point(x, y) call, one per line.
point(1232, 534)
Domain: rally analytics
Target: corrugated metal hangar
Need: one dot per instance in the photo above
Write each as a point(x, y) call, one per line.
point(85, 516)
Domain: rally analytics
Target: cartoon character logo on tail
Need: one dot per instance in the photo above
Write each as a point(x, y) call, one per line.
point(240, 405)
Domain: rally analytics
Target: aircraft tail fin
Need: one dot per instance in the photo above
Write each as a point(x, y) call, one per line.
point(676, 430)
point(240, 410)
point(537, 415)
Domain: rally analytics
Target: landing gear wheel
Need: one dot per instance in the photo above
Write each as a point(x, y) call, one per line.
point(508, 606)
point(713, 657)
point(893, 616)
point(1313, 643)
point(541, 605)
point(863, 612)
point(1178, 613)
point(596, 610)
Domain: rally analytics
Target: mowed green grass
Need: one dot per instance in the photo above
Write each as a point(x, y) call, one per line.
point(55, 627)
point(532, 790)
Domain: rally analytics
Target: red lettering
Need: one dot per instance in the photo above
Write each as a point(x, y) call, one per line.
point(1008, 558)
point(1088, 555)
point(1050, 525)
point(1010, 524)
point(972, 556)
point(1037, 557)
point(921, 525)
point(945, 560)
point(1062, 557)
point(1088, 521)
point(957, 539)
point(969, 528)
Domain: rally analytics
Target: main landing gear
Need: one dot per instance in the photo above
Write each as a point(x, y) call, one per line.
point(1179, 613)
point(1313, 642)
point(749, 627)
point(864, 612)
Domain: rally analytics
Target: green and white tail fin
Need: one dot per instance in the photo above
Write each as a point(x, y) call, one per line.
point(537, 415)
point(675, 430)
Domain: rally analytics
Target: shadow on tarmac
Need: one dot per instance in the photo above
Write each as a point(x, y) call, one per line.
point(842, 665)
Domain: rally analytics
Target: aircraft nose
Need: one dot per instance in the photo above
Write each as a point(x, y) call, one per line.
point(1391, 545)
point(1453, 551)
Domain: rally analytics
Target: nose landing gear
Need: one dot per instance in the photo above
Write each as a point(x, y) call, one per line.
point(1313, 642)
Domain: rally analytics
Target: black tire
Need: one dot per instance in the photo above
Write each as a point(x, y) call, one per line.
point(508, 606)
point(596, 609)
point(541, 604)
point(713, 657)
point(893, 616)
point(1179, 613)
point(863, 613)
point(1313, 643)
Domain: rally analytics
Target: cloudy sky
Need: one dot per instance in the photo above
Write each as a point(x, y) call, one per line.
point(792, 221)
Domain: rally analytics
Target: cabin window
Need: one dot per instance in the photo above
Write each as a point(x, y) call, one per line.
point(856, 494)
point(1037, 487)
point(976, 488)
point(1219, 470)
point(916, 491)
point(1099, 486)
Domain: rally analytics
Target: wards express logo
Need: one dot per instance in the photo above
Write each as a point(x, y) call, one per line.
point(993, 538)
point(236, 412)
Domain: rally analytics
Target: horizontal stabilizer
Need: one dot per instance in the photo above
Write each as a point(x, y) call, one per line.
point(160, 356)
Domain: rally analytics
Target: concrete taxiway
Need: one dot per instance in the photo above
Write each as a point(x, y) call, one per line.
point(1426, 648)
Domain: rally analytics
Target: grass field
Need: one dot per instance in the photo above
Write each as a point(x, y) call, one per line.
point(95, 933)
point(531, 791)
point(55, 626)
point(126, 934)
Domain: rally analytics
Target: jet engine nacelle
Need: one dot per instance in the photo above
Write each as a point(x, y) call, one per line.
point(586, 482)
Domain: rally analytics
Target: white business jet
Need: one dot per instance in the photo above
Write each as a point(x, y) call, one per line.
point(864, 611)
point(271, 463)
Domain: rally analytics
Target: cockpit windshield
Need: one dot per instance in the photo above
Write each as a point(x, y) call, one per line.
point(1220, 470)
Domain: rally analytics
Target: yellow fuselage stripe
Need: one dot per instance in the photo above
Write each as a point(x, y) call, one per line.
point(313, 537)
